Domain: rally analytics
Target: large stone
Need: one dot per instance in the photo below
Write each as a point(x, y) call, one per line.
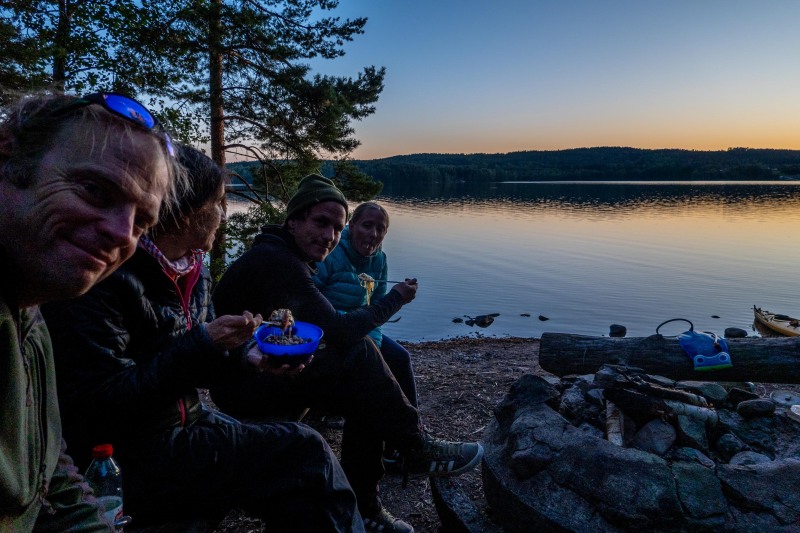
point(533, 502)
point(735, 333)
point(530, 448)
point(692, 433)
point(655, 437)
point(573, 403)
point(692, 456)
point(749, 458)
point(455, 509)
point(772, 487)
point(700, 491)
point(631, 488)
point(729, 445)
point(713, 392)
point(757, 433)
point(738, 395)
point(754, 408)
point(617, 330)
point(527, 390)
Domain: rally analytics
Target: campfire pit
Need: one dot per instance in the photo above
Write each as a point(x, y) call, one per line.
point(623, 450)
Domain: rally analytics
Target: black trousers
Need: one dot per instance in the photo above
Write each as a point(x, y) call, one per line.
point(284, 473)
point(353, 382)
point(399, 361)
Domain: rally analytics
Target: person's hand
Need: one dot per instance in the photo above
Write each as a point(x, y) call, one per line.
point(407, 289)
point(260, 360)
point(230, 331)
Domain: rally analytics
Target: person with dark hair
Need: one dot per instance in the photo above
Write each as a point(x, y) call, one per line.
point(348, 377)
point(130, 355)
point(80, 180)
point(341, 278)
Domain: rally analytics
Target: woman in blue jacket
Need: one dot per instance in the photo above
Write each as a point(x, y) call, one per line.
point(359, 252)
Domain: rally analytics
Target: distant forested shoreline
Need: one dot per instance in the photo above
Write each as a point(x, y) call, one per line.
point(427, 171)
point(589, 164)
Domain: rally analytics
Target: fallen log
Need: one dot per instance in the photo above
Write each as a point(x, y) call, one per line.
point(757, 359)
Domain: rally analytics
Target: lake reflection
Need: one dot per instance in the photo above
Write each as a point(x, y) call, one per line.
point(588, 255)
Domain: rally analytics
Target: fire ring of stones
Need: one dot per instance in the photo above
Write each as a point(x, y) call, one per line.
point(625, 451)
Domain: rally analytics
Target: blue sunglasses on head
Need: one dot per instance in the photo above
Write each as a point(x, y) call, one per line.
point(127, 108)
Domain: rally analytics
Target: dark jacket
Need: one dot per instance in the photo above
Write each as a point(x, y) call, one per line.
point(37, 479)
point(130, 354)
point(272, 275)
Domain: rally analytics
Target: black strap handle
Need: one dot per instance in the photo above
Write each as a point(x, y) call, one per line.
point(691, 326)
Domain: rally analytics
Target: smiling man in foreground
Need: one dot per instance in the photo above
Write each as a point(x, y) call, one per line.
point(81, 179)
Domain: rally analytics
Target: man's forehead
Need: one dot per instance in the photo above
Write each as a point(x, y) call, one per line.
point(329, 209)
point(100, 141)
point(129, 158)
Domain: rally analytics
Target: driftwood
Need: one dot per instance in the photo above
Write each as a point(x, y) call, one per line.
point(615, 429)
point(640, 383)
point(756, 359)
point(636, 402)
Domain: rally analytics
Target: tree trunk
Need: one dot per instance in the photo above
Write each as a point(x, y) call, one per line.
point(761, 360)
point(217, 125)
point(61, 46)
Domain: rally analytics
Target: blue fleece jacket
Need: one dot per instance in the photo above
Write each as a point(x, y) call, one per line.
point(337, 278)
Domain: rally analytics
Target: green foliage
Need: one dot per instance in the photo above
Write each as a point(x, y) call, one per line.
point(242, 228)
point(275, 108)
point(193, 60)
point(18, 61)
point(272, 103)
point(354, 183)
point(69, 46)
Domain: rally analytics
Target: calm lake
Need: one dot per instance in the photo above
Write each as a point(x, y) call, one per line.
point(588, 255)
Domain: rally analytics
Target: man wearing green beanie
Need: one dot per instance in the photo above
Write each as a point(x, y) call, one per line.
point(348, 376)
point(312, 190)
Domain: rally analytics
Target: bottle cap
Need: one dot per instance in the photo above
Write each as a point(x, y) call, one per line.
point(102, 451)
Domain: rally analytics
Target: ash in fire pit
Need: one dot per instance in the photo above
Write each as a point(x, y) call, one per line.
point(621, 450)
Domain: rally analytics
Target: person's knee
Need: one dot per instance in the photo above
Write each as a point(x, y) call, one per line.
point(363, 354)
point(394, 352)
point(311, 443)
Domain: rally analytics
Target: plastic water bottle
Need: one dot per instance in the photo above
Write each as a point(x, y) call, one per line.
point(105, 478)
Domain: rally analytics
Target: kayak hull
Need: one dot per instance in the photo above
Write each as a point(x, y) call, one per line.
point(782, 324)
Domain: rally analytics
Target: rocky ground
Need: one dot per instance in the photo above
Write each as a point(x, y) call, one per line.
point(459, 382)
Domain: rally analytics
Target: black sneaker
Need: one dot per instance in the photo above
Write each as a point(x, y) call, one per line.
point(384, 522)
point(439, 458)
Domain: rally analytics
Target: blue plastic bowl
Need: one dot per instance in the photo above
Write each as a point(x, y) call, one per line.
point(288, 354)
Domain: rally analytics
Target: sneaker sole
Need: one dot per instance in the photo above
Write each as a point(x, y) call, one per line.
point(457, 472)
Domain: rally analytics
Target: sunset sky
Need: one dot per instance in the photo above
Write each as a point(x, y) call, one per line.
point(489, 76)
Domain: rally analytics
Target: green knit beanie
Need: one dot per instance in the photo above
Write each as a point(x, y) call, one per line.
point(314, 189)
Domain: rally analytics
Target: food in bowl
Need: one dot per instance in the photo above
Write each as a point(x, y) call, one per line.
point(291, 349)
point(285, 340)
